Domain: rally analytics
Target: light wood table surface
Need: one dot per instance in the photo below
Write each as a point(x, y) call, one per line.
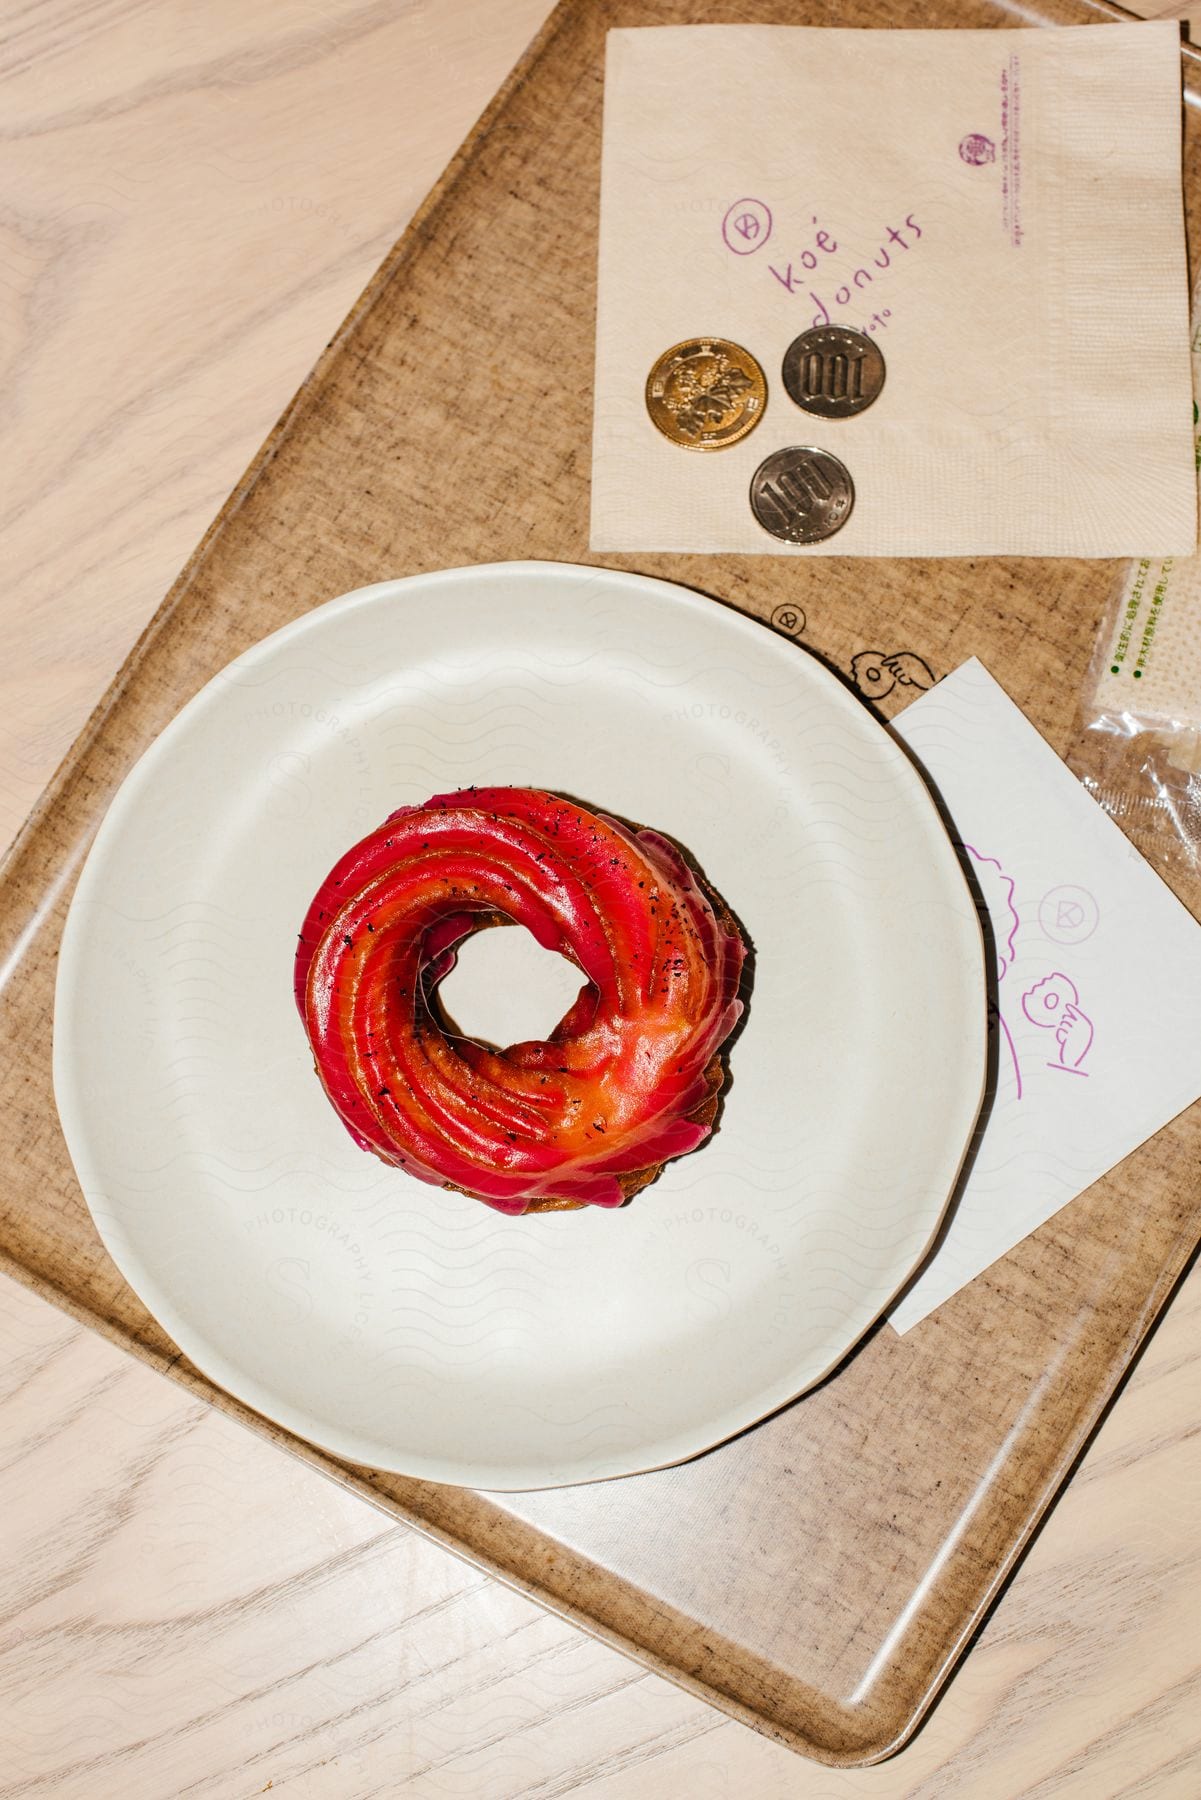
point(193, 195)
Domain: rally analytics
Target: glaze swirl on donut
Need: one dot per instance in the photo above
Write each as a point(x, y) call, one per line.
point(627, 1079)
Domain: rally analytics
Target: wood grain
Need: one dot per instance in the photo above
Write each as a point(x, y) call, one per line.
point(193, 197)
point(140, 340)
point(187, 1612)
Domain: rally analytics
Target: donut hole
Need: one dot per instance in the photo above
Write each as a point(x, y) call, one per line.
point(506, 989)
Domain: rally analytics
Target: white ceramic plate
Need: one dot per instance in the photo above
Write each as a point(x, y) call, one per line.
point(414, 1329)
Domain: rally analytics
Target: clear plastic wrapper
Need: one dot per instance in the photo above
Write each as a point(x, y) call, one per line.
point(1140, 752)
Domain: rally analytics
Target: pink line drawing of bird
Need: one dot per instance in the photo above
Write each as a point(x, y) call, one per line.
point(1053, 1004)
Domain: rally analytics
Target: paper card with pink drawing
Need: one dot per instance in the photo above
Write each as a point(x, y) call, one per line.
point(1094, 1012)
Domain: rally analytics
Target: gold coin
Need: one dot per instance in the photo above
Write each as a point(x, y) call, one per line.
point(706, 393)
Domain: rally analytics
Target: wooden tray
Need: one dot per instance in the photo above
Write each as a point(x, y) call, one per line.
point(818, 1576)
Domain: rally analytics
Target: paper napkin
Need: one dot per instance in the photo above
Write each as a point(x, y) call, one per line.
point(1098, 968)
point(1000, 210)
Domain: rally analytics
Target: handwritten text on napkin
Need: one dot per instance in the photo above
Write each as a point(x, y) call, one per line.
point(1001, 211)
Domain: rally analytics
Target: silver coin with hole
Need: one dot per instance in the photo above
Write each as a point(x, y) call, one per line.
point(802, 494)
point(833, 371)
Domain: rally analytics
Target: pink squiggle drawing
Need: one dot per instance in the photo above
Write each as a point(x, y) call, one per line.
point(997, 888)
point(1053, 1004)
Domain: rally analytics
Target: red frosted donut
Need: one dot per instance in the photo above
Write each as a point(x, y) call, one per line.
point(628, 1078)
